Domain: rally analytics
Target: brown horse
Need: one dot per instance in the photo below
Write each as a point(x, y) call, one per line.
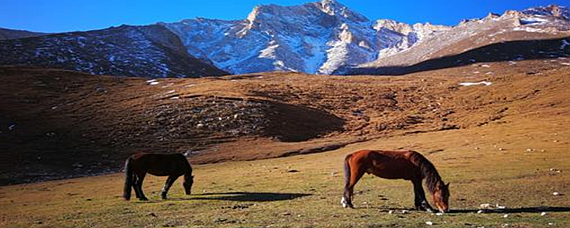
point(171, 165)
point(407, 165)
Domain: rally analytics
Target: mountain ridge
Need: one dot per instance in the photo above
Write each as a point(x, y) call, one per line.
point(530, 24)
point(8, 34)
point(144, 51)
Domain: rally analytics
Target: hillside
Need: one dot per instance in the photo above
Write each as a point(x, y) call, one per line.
point(58, 123)
point(510, 152)
point(7, 34)
point(143, 51)
point(497, 52)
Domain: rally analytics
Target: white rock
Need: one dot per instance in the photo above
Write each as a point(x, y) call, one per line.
point(480, 211)
point(506, 216)
point(439, 213)
point(485, 206)
point(390, 212)
point(543, 213)
point(556, 193)
point(429, 223)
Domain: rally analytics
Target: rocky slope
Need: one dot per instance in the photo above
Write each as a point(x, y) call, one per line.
point(7, 34)
point(146, 51)
point(471, 35)
point(315, 37)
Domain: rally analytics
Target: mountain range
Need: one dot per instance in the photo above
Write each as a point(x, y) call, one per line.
point(316, 37)
point(322, 37)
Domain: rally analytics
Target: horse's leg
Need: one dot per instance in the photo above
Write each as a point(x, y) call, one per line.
point(417, 193)
point(421, 202)
point(169, 181)
point(138, 185)
point(135, 181)
point(355, 175)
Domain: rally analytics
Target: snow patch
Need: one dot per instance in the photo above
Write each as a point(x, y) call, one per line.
point(529, 29)
point(486, 83)
point(532, 20)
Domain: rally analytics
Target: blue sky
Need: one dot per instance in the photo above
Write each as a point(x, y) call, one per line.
point(74, 15)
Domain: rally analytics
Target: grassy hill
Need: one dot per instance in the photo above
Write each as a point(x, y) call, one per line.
point(498, 144)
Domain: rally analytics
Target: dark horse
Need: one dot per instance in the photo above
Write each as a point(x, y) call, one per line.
point(408, 165)
point(171, 165)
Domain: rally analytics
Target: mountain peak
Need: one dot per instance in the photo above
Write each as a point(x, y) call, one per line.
point(335, 8)
point(329, 7)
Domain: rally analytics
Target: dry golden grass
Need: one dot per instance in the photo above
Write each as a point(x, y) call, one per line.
point(304, 191)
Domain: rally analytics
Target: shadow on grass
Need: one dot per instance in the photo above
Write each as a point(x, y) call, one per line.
point(514, 210)
point(486, 211)
point(248, 196)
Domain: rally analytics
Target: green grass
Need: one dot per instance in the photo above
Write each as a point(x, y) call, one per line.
point(265, 193)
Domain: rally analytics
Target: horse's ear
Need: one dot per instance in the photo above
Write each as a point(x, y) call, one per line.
point(447, 185)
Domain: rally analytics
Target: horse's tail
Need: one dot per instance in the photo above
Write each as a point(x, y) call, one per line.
point(347, 172)
point(128, 179)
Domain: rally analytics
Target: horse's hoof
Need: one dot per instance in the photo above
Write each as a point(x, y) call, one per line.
point(344, 203)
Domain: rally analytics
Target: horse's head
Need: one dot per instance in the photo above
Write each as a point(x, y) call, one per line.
point(441, 197)
point(188, 181)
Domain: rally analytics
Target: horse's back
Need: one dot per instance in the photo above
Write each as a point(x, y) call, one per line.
point(160, 164)
point(382, 155)
point(387, 164)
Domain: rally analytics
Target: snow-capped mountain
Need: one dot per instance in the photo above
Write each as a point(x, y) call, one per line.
point(531, 24)
point(144, 51)
point(322, 37)
point(316, 37)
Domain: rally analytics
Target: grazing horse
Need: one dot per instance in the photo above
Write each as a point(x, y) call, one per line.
point(171, 165)
point(407, 165)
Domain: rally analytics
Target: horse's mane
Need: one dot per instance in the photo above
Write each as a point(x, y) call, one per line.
point(186, 165)
point(428, 170)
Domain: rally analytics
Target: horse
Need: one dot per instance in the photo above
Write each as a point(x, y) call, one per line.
point(171, 165)
point(407, 165)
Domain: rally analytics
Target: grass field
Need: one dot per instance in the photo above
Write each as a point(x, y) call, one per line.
point(512, 163)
